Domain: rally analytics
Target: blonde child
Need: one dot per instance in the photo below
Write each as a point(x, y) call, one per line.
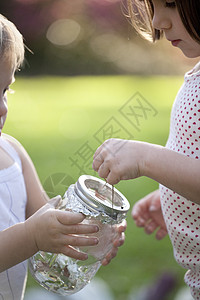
point(177, 165)
point(28, 220)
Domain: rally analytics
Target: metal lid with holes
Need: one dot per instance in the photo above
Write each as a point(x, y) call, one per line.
point(101, 196)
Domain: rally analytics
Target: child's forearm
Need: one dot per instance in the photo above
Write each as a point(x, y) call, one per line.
point(176, 171)
point(16, 246)
point(119, 160)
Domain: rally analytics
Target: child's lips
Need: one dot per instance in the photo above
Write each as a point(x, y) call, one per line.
point(175, 42)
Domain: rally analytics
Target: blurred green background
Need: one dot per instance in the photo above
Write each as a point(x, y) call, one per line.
point(53, 117)
point(88, 69)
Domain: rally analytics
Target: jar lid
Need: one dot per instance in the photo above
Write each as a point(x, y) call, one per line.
point(98, 195)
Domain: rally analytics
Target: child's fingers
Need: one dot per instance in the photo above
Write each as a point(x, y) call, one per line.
point(136, 211)
point(79, 241)
point(103, 148)
point(120, 241)
point(105, 262)
point(111, 254)
point(150, 227)
point(67, 217)
point(79, 229)
point(109, 257)
point(122, 226)
point(98, 161)
point(97, 151)
point(161, 233)
point(54, 201)
point(112, 177)
point(104, 171)
point(73, 253)
point(140, 222)
point(140, 215)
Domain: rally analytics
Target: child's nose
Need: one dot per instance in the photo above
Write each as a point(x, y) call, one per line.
point(160, 20)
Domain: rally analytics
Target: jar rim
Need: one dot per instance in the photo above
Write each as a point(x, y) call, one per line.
point(97, 194)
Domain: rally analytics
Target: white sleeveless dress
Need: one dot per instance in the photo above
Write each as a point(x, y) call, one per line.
point(13, 200)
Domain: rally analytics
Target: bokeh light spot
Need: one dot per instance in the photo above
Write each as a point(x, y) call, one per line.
point(63, 32)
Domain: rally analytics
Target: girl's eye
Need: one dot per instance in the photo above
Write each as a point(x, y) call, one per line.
point(170, 4)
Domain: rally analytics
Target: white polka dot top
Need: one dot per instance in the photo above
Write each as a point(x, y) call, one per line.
point(182, 216)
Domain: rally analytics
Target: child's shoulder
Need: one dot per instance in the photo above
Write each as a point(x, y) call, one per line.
point(14, 143)
point(10, 139)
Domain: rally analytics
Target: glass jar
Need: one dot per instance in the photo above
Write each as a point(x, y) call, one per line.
point(102, 204)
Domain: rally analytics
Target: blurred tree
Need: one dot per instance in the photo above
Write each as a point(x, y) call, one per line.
point(34, 17)
point(86, 37)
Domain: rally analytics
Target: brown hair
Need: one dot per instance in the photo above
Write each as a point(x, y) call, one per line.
point(141, 12)
point(11, 43)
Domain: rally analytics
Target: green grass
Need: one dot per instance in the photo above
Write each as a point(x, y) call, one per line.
point(54, 117)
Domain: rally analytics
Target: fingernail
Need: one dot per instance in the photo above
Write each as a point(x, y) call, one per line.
point(96, 241)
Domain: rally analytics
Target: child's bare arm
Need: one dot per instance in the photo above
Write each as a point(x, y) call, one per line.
point(36, 196)
point(121, 160)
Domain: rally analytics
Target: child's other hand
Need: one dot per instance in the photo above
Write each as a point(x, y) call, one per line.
point(118, 159)
point(147, 213)
point(58, 231)
point(119, 241)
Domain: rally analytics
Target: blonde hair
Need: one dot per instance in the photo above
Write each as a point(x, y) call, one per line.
point(11, 43)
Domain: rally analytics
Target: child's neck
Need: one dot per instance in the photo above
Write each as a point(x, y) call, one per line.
point(5, 160)
point(195, 69)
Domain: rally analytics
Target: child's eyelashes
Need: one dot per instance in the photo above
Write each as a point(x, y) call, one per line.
point(171, 4)
point(8, 90)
